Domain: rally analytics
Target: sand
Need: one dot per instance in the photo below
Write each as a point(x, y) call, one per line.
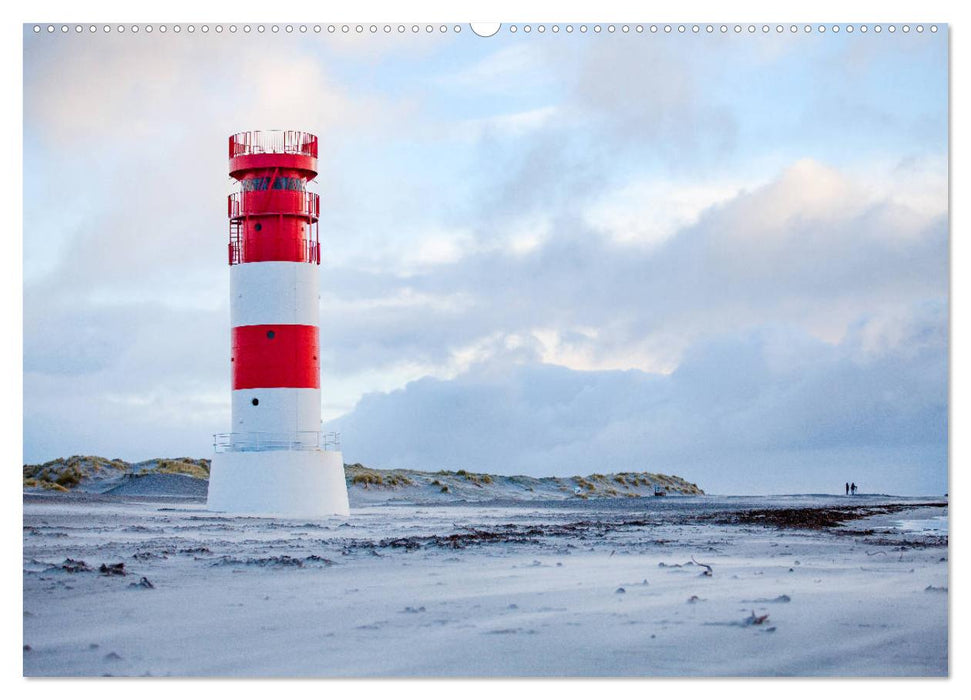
point(594, 588)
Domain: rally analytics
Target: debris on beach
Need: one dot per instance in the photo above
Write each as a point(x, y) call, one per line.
point(620, 590)
point(810, 518)
point(283, 560)
point(708, 569)
point(142, 556)
point(754, 619)
point(113, 569)
point(195, 550)
point(73, 566)
point(936, 589)
point(144, 583)
point(315, 558)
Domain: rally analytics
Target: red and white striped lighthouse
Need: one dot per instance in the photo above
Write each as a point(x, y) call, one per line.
point(275, 459)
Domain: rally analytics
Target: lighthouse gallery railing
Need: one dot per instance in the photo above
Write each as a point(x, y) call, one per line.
point(253, 142)
point(266, 202)
point(263, 442)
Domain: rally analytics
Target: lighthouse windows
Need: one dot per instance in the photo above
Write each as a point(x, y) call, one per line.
point(289, 183)
point(270, 335)
point(258, 227)
point(252, 184)
point(255, 402)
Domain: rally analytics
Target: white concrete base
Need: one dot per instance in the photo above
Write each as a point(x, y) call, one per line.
point(298, 483)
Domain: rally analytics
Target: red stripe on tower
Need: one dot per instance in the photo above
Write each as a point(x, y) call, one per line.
point(283, 356)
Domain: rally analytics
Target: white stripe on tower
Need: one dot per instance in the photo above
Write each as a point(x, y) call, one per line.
point(277, 411)
point(274, 292)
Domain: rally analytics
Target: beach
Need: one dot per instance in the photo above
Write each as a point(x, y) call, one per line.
point(676, 586)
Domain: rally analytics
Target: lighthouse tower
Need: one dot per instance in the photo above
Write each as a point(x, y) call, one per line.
point(275, 460)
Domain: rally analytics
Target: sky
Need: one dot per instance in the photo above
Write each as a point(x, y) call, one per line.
point(719, 256)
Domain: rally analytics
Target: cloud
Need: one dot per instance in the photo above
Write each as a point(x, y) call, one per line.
point(660, 101)
point(516, 67)
point(132, 132)
point(804, 318)
point(506, 126)
point(154, 92)
point(134, 381)
point(648, 212)
point(769, 397)
point(812, 248)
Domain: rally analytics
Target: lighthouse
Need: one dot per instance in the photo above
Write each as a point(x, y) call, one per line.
point(275, 460)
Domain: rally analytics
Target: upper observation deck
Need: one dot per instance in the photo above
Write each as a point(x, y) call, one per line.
point(263, 150)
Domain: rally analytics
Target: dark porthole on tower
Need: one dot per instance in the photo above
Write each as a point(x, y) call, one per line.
point(258, 227)
point(255, 402)
point(270, 334)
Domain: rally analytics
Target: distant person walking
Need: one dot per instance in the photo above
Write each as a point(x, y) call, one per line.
point(847, 488)
point(853, 488)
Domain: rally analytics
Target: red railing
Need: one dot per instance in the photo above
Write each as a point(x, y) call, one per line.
point(237, 254)
point(251, 142)
point(274, 202)
point(235, 242)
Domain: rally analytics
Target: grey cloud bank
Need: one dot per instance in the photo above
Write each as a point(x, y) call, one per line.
point(767, 412)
